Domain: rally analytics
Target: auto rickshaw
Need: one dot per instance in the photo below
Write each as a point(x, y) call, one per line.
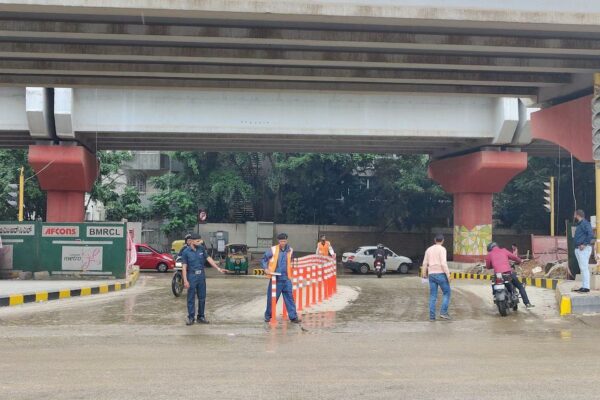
point(236, 258)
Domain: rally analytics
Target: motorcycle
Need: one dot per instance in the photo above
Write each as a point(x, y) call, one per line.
point(177, 281)
point(505, 295)
point(379, 267)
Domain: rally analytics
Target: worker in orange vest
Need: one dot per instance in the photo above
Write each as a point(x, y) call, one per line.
point(278, 261)
point(324, 247)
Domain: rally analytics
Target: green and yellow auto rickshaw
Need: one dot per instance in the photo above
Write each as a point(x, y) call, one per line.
point(236, 258)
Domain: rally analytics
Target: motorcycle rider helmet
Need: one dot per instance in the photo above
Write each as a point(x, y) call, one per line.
point(491, 246)
point(379, 246)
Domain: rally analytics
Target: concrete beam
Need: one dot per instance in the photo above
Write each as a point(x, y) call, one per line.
point(294, 38)
point(300, 58)
point(507, 14)
point(63, 113)
point(523, 134)
point(280, 112)
point(39, 112)
point(122, 82)
point(13, 117)
point(266, 73)
point(506, 118)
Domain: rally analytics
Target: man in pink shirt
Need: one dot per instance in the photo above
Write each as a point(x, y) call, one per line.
point(498, 259)
point(435, 267)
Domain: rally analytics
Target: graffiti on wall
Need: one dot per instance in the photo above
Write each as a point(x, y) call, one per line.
point(472, 242)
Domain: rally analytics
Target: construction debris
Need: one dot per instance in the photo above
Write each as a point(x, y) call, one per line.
point(531, 269)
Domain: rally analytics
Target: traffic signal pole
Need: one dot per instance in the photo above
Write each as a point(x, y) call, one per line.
point(552, 205)
point(550, 202)
point(21, 193)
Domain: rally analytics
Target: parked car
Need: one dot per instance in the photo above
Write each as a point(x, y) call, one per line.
point(150, 258)
point(361, 260)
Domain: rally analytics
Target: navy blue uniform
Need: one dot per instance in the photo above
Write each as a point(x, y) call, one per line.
point(196, 276)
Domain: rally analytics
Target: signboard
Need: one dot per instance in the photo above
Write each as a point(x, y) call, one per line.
point(17, 230)
point(60, 231)
point(64, 248)
point(104, 231)
point(81, 258)
point(202, 216)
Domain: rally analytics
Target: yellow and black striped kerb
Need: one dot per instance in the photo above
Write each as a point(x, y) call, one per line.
point(543, 283)
point(37, 297)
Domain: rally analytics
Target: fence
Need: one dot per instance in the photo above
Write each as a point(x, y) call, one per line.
point(314, 280)
point(64, 248)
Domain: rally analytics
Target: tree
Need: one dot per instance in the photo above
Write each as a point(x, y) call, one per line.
point(319, 188)
point(111, 163)
point(520, 205)
point(34, 198)
point(126, 206)
point(405, 195)
point(105, 190)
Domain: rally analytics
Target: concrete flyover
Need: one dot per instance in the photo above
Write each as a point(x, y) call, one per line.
point(542, 50)
point(457, 79)
point(254, 120)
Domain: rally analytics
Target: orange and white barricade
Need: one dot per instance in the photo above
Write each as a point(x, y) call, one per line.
point(313, 281)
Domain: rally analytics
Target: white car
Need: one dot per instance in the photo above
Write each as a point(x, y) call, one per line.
point(361, 260)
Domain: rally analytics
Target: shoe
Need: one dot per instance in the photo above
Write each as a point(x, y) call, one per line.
point(529, 305)
point(431, 319)
point(583, 290)
point(446, 317)
point(267, 320)
point(578, 290)
point(296, 320)
point(202, 320)
point(189, 321)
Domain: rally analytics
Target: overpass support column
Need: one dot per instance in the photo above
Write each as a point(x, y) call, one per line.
point(473, 179)
point(66, 173)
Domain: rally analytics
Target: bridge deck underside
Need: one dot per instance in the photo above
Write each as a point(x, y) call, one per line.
point(269, 46)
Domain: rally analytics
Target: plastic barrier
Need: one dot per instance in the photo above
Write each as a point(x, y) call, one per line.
point(313, 281)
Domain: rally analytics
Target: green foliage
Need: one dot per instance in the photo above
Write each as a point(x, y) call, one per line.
point(118, 206)
point(216, 181)
point(111, 163)
point(173, 203)
point(521, 205)
point(405, 195)
point(128, 205)
point(35, 200)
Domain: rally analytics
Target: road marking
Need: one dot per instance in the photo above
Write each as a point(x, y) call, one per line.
point(41, 296)
point(16, 299)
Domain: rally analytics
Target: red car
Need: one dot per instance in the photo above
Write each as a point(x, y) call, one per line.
point(149, 258)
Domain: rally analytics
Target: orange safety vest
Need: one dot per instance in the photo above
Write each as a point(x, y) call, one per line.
point(323, 248)
point(273, 261)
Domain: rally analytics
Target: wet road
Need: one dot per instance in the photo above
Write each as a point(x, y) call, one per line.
point(134, 345)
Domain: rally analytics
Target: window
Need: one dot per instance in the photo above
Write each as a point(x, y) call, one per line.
point(389, 253)
point(143, 250)
point(369, 252)
point(138, 182)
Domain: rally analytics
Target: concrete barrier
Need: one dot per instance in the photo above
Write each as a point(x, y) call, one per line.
point(16, 299)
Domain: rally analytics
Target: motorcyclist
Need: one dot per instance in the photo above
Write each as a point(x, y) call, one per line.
point(499, 259)
point(380, 255)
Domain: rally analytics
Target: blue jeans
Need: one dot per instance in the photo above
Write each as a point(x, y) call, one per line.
point(583, 259)
point(440, 280)
point(197, 289)
point(284, 286)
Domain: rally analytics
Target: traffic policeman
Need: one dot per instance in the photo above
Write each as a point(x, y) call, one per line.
point(278, 260)
point(194, 277)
